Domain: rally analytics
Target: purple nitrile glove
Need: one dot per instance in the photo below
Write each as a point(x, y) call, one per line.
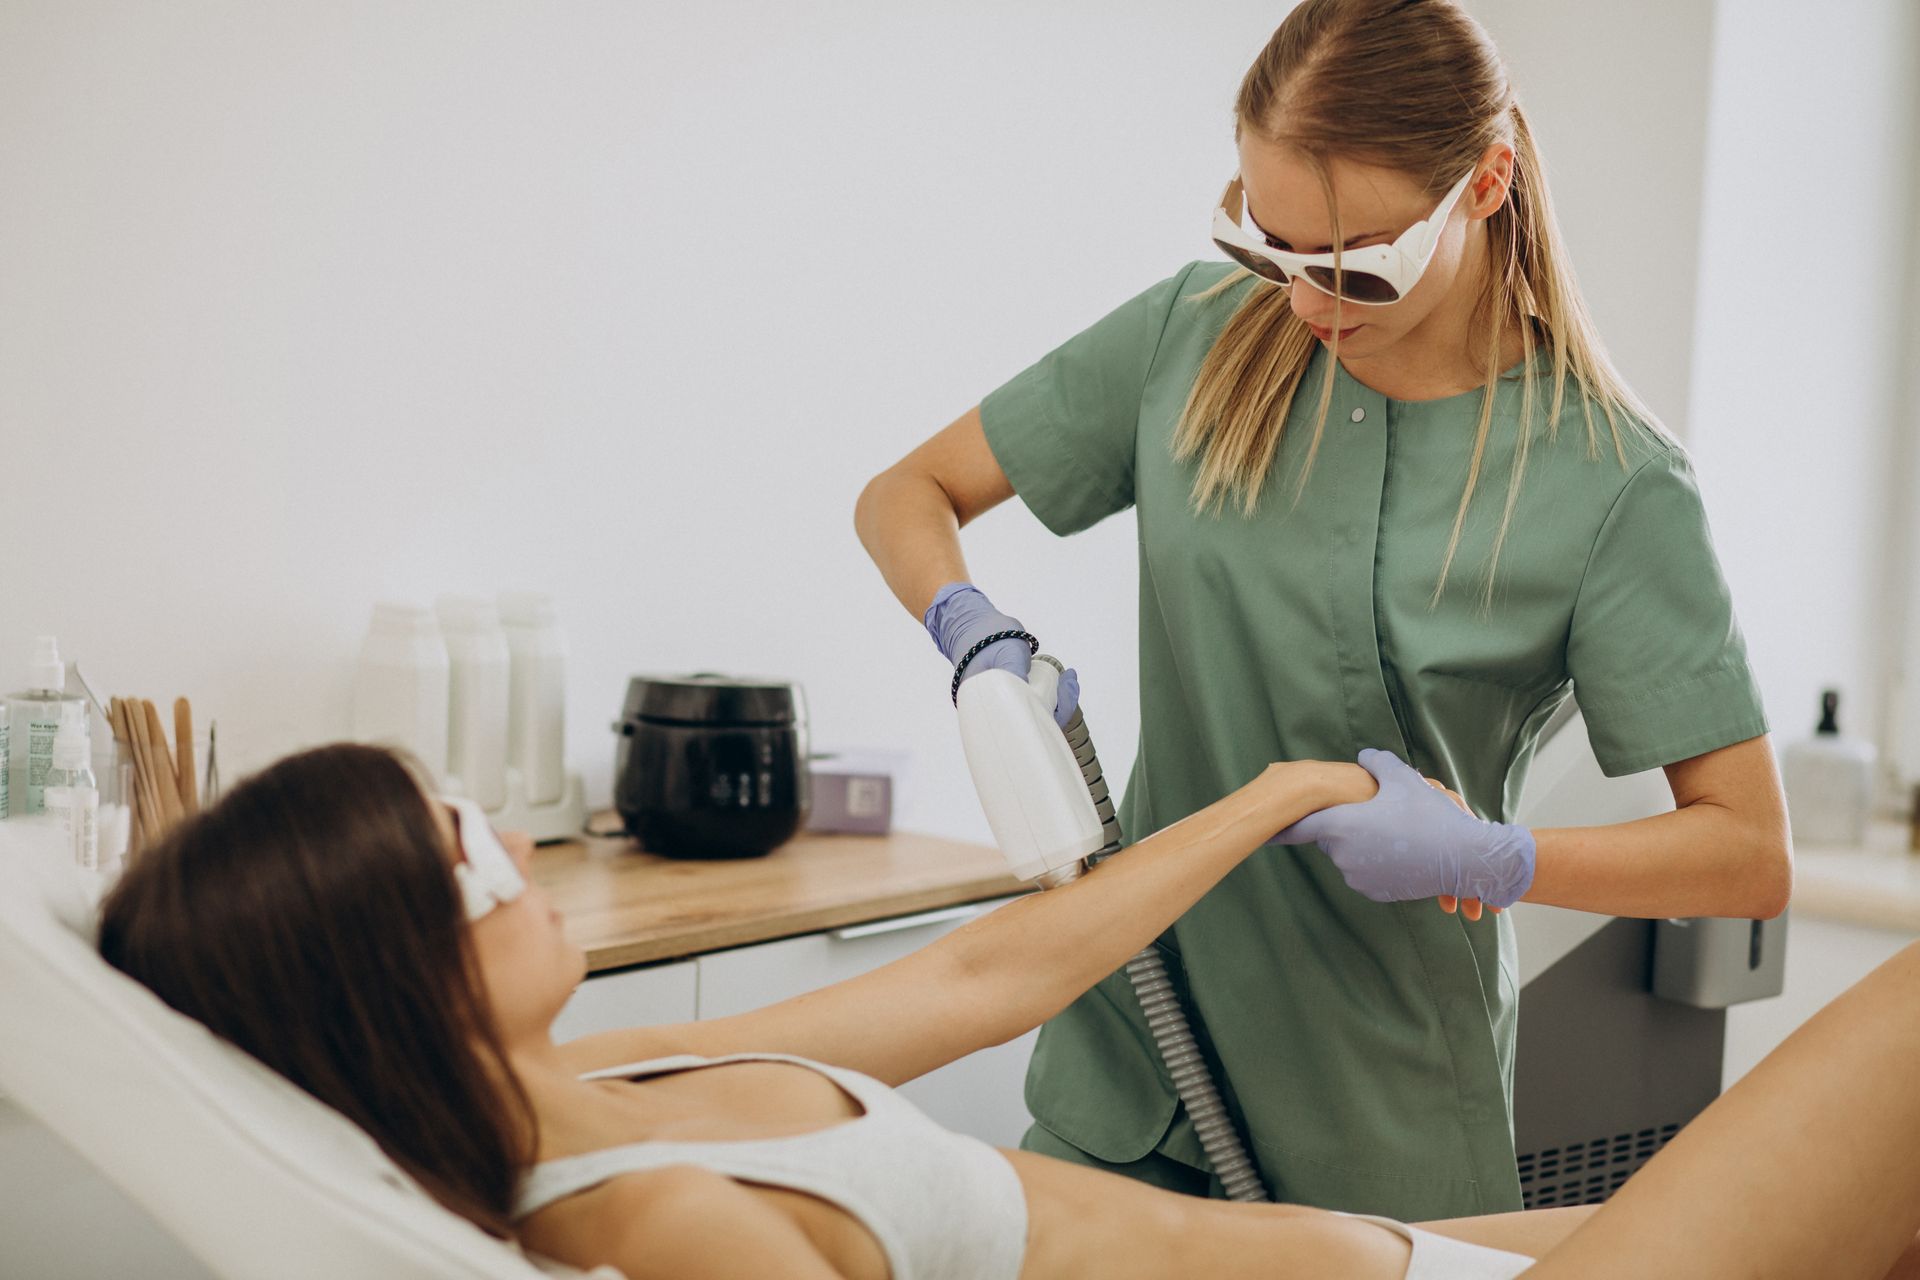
point(961, 616)
point(1411, 841)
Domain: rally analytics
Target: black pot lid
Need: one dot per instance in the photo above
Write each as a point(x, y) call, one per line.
point(706, 698)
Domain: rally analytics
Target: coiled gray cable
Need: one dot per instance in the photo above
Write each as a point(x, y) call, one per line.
point(1166, 1019)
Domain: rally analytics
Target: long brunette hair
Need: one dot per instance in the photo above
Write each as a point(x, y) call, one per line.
point(1415, 86)
point(311, 918)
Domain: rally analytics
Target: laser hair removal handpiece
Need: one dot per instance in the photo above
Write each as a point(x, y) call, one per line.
point(1048, 805)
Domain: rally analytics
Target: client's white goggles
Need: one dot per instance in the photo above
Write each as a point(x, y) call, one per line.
point(486, 872)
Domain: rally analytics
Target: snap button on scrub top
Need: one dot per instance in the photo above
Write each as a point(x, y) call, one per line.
point(1359, 415)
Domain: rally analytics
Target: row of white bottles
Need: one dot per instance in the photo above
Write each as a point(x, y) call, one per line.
point(476, 691)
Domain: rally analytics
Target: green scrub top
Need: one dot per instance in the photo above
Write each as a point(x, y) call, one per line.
point(1368, 1047)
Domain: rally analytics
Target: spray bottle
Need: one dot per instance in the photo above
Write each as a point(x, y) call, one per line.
point(71, 791)
point(1047, 802)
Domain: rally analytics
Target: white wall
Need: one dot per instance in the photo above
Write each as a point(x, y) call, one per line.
point(1901, 576)
point(309, 306)
point(1696, 150)
point(1616, 94)
point(1798, 424)
point(306, 306)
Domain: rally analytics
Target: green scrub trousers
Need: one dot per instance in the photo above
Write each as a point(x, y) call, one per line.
point(1366, 1047)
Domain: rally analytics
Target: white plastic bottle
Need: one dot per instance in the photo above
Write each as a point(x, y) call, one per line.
point(1829, 782)
point(401, 686)
point(71, 790)
point(479, 667)
point(537, 695)
point(35, 716)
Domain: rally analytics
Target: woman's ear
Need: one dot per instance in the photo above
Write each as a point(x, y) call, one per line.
point(1491, 179)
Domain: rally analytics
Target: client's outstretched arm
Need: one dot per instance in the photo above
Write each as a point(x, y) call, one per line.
point(1014, 968)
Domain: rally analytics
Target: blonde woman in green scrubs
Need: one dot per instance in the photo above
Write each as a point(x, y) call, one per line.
point(1386, 498)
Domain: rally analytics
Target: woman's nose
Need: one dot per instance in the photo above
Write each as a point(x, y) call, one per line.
point(1310, 304)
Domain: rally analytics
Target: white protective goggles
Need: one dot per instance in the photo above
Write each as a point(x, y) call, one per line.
point(486, 873)
point(1372, 276)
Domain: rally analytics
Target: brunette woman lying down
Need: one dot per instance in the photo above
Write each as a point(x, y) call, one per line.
point(384, 950)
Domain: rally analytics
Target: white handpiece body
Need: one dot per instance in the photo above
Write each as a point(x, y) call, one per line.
point(1030, 786)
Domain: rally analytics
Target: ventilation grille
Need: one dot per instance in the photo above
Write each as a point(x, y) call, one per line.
point(1587, 1172)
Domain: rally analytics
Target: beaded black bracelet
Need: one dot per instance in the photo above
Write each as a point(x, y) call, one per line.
point(960, 667)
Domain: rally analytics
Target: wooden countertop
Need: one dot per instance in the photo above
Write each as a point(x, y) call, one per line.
point(625, 906)
point(1876, 884)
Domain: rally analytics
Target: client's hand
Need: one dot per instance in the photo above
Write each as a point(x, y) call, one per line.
point(1448, 903)
point(1409, 842)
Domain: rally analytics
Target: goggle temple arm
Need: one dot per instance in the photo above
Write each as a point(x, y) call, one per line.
point(486, 873)
point(1429, 238)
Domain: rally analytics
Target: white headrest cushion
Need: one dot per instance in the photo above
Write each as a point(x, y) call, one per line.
point(236, 1161)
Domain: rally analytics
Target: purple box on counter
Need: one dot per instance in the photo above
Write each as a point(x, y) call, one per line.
point(852, 791)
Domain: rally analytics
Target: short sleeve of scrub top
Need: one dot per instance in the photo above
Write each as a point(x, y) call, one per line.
point(1074, 415)
point(1656, 657)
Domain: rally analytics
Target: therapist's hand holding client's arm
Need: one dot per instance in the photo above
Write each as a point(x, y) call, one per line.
point(1410, 840)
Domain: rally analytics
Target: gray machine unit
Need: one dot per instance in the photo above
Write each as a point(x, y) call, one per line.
point(1622, 1021)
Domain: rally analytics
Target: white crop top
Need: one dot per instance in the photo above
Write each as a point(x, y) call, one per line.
point(942, 1205)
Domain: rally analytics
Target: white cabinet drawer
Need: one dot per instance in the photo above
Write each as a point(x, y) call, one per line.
point(979, 1095)
point(631, 998)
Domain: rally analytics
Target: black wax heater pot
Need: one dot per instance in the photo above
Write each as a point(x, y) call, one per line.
point(711, 766)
